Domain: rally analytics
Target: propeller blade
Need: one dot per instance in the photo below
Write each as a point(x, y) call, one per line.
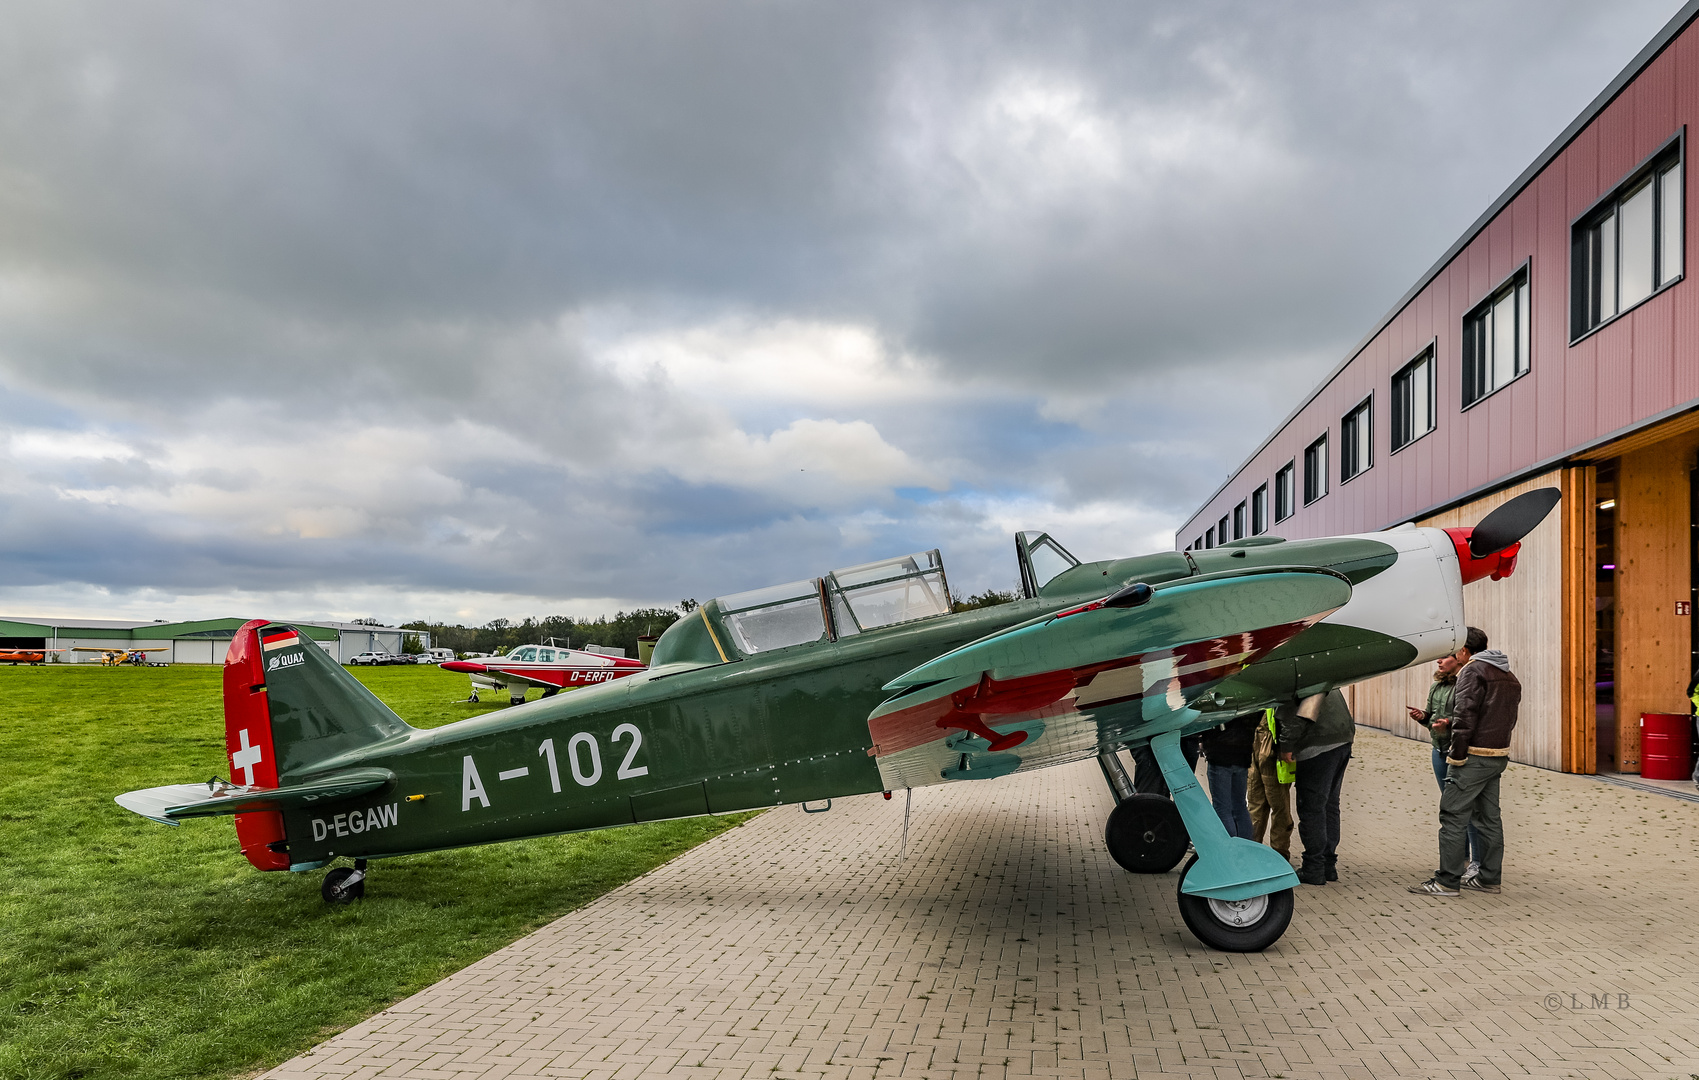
point(1512, 521)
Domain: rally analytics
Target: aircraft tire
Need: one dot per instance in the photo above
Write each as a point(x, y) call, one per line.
point(333, 891)
point(1145, 834)
point(1235, 926)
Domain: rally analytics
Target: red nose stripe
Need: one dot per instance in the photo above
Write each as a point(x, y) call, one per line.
point(1498, 565)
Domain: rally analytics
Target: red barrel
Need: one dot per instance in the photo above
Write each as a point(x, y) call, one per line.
point(1666, 746)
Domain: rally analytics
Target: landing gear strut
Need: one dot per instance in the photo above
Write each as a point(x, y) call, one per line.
point(344, 886)
point(1235, 895)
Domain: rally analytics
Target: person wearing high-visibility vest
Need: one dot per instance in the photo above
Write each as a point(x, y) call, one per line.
point(1693, 696)
point(1268, 789)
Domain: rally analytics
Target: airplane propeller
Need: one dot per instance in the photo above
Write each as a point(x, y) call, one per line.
point(1511, 522)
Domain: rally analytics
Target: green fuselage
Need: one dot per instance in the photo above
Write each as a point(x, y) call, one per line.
point(698, 734)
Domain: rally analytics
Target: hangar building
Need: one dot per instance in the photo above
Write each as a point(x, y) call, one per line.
point(203, 641)
point(1556, 343)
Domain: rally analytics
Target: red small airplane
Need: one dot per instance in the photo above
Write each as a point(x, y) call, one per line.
point(553, 669)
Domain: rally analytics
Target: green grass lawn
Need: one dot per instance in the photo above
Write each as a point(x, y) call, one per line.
point(132, 949)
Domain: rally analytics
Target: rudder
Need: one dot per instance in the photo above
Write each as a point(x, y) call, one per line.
point(288, 709)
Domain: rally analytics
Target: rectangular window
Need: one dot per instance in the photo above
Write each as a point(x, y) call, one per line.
point(1628, 247)
point(1283, 504)
point(1197, 544)
point(1239, 522)
point(1315, 470)
point(1209, 537)
point(1221, 533)
point(1354, 441)
point(1413, 400)
point(1259, 511)
point(1495, 339)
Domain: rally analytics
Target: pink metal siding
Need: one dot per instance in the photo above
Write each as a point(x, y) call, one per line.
point(1643, 364)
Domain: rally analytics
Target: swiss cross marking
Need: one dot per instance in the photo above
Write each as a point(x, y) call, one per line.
point(246, 758)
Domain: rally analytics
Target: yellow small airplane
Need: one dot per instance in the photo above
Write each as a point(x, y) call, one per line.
point(115, 657)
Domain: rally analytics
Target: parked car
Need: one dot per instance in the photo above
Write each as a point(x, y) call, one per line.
point(362, 659)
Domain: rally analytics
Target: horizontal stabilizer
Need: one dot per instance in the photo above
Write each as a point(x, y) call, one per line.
point(173, 802)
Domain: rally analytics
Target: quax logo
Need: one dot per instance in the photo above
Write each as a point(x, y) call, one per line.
point(357, 821)
point(285, 661)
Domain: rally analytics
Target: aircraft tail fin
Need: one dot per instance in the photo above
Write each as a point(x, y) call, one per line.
point(289, 709)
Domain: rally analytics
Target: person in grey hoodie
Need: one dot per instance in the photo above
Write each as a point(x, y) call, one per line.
point(1321, 746)
point(1484, 713)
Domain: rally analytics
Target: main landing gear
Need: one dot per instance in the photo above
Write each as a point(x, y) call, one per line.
point(1248, 925)
point(1235, 895)
point(344, 886)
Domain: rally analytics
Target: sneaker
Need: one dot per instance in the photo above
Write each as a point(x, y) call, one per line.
point(1432, 887)
point(1474, 884)
point(1471, 870)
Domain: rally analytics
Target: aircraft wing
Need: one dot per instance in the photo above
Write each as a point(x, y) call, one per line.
point(1062, 687)
point(496, 672)
point(168, 805)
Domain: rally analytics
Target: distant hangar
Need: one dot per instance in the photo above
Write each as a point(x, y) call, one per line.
point(203, 641)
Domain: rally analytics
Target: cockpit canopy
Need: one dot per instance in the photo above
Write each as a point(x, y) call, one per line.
point(535, 652)
point(843, 603)
point(1042, 560)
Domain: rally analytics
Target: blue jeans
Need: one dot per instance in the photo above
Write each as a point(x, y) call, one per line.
point(1227, 792)
point(1440, 767)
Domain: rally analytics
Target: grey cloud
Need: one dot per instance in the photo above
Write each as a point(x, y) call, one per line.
point(318, 222)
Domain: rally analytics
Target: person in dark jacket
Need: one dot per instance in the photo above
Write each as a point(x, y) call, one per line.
point(1321, 746)
point(1485, 704)
point(1228, 749)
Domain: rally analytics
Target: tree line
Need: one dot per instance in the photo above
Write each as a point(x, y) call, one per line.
point(499, 635)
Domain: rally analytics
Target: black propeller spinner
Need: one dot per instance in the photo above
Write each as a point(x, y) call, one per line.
point(1512, 521)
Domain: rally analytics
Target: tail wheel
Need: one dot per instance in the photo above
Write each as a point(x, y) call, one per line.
point(1145, 834)
point(1249, 925)
point(337, 889)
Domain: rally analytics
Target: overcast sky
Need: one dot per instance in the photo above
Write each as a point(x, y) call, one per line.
point(462, 311)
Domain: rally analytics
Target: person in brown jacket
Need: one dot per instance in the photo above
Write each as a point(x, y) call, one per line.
point(1484, 712)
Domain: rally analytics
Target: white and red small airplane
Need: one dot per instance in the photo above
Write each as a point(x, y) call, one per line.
point(554, 669)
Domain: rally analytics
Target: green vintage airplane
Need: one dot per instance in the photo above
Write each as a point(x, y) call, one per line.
point(864, 681)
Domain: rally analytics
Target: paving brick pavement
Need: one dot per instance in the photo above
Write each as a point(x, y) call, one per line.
point(1008, 944)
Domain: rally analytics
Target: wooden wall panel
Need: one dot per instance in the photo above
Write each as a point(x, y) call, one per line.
point(1653, 643)
point(1522, 615)
point(1580, 636)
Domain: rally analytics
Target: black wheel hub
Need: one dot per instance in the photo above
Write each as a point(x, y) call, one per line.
point(1145, 835)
